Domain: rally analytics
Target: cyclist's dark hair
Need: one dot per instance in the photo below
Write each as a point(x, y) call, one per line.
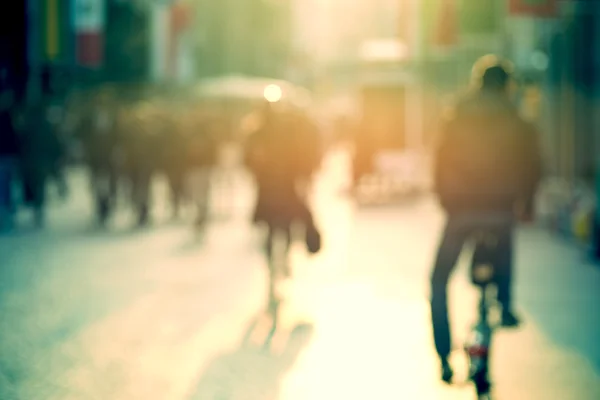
point(495, 78)
point(490, 73)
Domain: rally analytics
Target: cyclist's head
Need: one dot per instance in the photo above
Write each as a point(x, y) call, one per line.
point(492, 74)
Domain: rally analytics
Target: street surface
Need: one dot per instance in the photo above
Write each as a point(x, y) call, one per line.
point(160, 313)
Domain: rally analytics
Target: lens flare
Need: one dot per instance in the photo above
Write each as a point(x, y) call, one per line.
point(273, 93)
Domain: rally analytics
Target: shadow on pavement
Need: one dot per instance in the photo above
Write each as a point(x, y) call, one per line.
point(92, 231)
point(565, 296)
point(574, 328)
point(256, 369)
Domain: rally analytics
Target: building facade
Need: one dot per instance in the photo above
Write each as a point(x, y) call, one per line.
point(251, 37)
point(73, 43)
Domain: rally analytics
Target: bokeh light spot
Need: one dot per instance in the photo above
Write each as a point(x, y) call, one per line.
point(273, 93)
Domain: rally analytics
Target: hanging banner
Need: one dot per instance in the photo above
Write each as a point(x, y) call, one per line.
point(408, 27)
point(181, 16)
point(89, 20)
point(180, 19)
point(446, 28)
point(534, 8)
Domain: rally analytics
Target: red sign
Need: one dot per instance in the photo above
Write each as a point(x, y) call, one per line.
point(89, 19)
point(90, 49)
point(536, 8)
point(181, 16)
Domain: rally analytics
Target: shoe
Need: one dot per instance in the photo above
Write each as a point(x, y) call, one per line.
point(313, 239)
point(510, 320)
point(447, 372)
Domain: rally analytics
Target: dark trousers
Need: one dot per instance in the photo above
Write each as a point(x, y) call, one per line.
point(175, 178)
point(103, 180)
point(141, 182)
point(459, 229)
point(34, 184)
point(34, 192)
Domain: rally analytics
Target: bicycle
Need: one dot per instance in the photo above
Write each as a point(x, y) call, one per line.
point(479, 341)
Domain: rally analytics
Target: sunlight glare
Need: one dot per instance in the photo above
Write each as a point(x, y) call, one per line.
point(273, 93)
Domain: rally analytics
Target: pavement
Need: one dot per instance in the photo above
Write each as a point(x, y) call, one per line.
point(161, 313)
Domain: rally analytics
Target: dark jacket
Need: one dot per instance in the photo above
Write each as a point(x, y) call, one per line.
point(280, 156)
point(40, 144)
point(488, 157)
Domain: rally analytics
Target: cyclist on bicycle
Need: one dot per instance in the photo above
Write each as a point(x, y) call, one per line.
point(282, 155)
point(487, 165)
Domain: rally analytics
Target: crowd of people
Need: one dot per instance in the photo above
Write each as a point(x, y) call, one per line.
point(125, 143)
point(133, 141)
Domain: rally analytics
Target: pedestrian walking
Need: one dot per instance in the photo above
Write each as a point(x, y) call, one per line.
point(9, 152)
point(201, 154)
point(99, 136)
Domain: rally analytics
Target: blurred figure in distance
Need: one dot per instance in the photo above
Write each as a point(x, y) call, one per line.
point(140, 135)
point(282, 155)
point(55, 114)
point(9, 152)
point(174, 162)
point(201, 158)
point(40, 154)
point(99, 136)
